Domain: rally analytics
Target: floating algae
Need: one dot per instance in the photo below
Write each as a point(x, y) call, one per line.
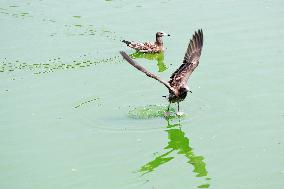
point(76, 16)
point(11, 11)
point(86, 102)
point(70, 30)
point(150, 111)
point(54, 64)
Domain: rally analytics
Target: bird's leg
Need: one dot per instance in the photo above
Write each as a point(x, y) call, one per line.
point(167, 113)
point(168, 110)
point(179, 113)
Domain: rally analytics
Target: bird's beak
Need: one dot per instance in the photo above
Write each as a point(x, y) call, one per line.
point(165, 34)
point(187, 89)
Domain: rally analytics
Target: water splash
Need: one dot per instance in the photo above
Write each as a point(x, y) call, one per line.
point(150, 111)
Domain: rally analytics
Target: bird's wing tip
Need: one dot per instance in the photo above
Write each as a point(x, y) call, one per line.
point(122, 53)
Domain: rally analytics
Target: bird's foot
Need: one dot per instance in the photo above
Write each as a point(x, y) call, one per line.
point(180, 113)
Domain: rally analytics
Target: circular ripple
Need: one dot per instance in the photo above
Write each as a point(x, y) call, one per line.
point(120, 115)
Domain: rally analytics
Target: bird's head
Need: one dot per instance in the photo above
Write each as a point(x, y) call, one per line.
point(183, 90)
point(161, 34)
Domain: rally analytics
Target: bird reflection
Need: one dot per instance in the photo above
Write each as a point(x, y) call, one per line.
point(178, 143)
point(159, 57)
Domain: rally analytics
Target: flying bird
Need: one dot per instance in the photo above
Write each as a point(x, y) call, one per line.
point(177, 85)
point(148, 47)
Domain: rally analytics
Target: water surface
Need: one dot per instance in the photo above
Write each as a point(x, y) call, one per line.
point(66, 96)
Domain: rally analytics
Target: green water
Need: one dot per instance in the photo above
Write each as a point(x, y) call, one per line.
point(75, 115)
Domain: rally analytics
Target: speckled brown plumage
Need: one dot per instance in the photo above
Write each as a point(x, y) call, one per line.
point(148, 47)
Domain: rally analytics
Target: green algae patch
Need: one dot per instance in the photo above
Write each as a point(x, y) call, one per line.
point(204, 186)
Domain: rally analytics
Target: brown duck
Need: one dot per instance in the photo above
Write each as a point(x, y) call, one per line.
point(149, 47)
point(177, 85)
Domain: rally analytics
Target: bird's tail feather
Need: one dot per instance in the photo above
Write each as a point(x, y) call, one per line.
point(126, 42)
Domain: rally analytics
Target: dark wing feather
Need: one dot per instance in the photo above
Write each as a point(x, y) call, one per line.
point(142, 69)
point(191, 60)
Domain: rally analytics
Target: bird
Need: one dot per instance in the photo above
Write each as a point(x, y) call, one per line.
point(148, 47)
point(177, 85)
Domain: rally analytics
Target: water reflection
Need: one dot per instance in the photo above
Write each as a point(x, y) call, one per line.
point(159, 57)
point(178, 143)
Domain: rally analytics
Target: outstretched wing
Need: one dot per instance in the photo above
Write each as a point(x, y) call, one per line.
point(191, 60)
point(142, 69)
